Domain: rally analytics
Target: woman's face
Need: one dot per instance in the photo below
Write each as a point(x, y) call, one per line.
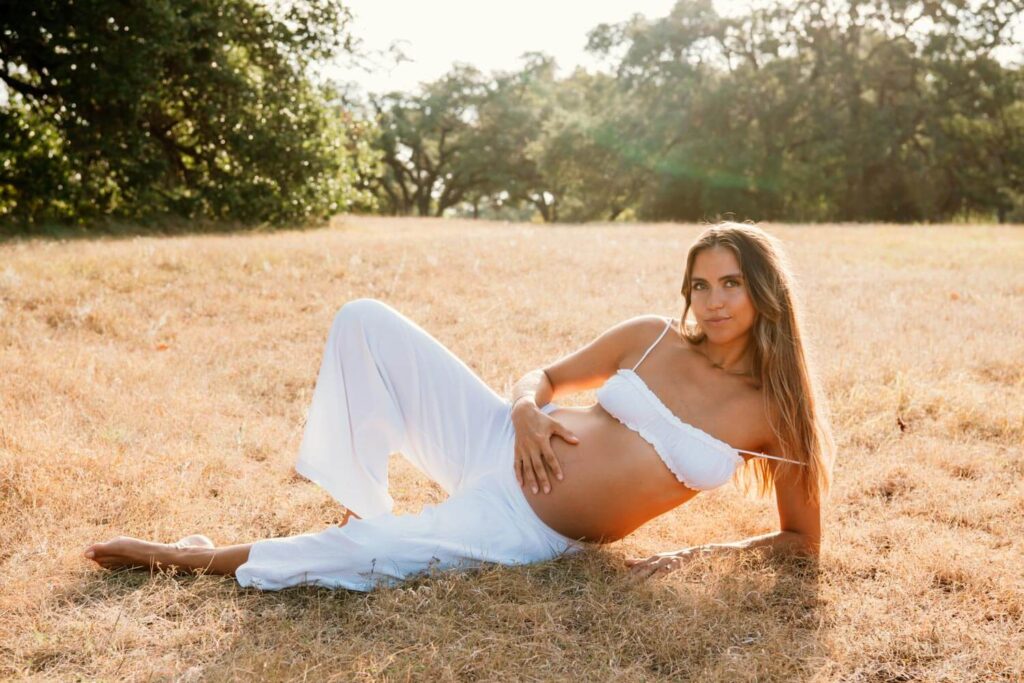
point(719, 297)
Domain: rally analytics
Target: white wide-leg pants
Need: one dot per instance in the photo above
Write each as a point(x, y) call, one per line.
point(385, 386)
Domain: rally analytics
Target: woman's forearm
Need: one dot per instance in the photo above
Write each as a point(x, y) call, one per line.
point(776, 544)
point(533, 387)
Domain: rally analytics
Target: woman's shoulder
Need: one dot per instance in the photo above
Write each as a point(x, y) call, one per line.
point(650, 319)
point(647, 325)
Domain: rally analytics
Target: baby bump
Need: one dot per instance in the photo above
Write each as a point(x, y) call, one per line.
point(614, 481)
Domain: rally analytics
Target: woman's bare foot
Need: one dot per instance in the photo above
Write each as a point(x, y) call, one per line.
point(125, 551)
point(195, 552)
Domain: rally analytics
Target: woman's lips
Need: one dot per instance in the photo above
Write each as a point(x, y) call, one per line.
point(717, 321)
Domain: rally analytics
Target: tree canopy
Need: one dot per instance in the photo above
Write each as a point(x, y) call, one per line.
point(800, 110)
point(192, 107)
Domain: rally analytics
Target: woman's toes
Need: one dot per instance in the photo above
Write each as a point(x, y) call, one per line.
point(122, 551)
point(97, 551)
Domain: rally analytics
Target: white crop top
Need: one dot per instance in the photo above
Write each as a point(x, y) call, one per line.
point(697, 459)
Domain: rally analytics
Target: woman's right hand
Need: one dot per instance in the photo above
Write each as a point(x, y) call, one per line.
point(534, 455)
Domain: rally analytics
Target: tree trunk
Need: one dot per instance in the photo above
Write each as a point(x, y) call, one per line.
point(542, 206)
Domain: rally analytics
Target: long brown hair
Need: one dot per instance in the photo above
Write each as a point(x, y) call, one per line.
point(797, 412)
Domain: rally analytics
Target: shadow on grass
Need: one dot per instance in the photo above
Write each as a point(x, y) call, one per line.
point(580, 616)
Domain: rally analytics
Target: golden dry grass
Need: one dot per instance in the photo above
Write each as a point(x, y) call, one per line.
point(157, 387)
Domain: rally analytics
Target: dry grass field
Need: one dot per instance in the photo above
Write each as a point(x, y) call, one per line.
point(157, 387)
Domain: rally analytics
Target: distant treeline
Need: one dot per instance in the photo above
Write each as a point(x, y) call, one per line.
point(891, 110)
point(887, 110)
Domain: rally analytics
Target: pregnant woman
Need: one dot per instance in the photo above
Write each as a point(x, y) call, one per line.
point(681, 408)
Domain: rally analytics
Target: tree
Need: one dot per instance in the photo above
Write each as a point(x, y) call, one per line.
point(195, 107)
point(514, 138)
point(427, 142)
point(825, 111)
point(590, 161)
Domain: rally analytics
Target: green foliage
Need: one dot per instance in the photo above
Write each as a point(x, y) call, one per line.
point(892, 110)
point(585, 153)
point(428, 144)
point(882, 110)
point(198, 108)
point(851, 111)
point(521, 137)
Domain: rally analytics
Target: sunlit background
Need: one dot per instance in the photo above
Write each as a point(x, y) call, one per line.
point(549, 111)
point(493, 36)
point(489, 35)
point(154, 377)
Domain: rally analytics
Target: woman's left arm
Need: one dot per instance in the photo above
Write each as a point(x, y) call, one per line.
point(799, 535)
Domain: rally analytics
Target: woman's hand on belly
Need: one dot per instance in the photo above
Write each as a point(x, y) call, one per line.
point(614, 481)
point(534, 455)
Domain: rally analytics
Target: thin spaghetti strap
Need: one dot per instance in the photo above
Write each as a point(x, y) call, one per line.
point(773, 457)
point(649, 348)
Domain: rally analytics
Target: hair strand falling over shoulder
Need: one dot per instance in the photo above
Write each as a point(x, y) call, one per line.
point(797, 411)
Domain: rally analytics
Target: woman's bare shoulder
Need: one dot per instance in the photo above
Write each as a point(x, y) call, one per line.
point(594, 362)
point(650, 319)
point(645, 326)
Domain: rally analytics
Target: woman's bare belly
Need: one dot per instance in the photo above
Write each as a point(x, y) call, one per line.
point(614, 480)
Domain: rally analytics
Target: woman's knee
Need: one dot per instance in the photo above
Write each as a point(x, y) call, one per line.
point(360, 311)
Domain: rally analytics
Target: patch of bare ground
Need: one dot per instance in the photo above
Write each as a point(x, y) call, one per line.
point(157, 387)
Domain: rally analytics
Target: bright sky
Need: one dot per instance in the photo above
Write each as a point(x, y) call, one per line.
point(488, 34)
point(491, 35)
